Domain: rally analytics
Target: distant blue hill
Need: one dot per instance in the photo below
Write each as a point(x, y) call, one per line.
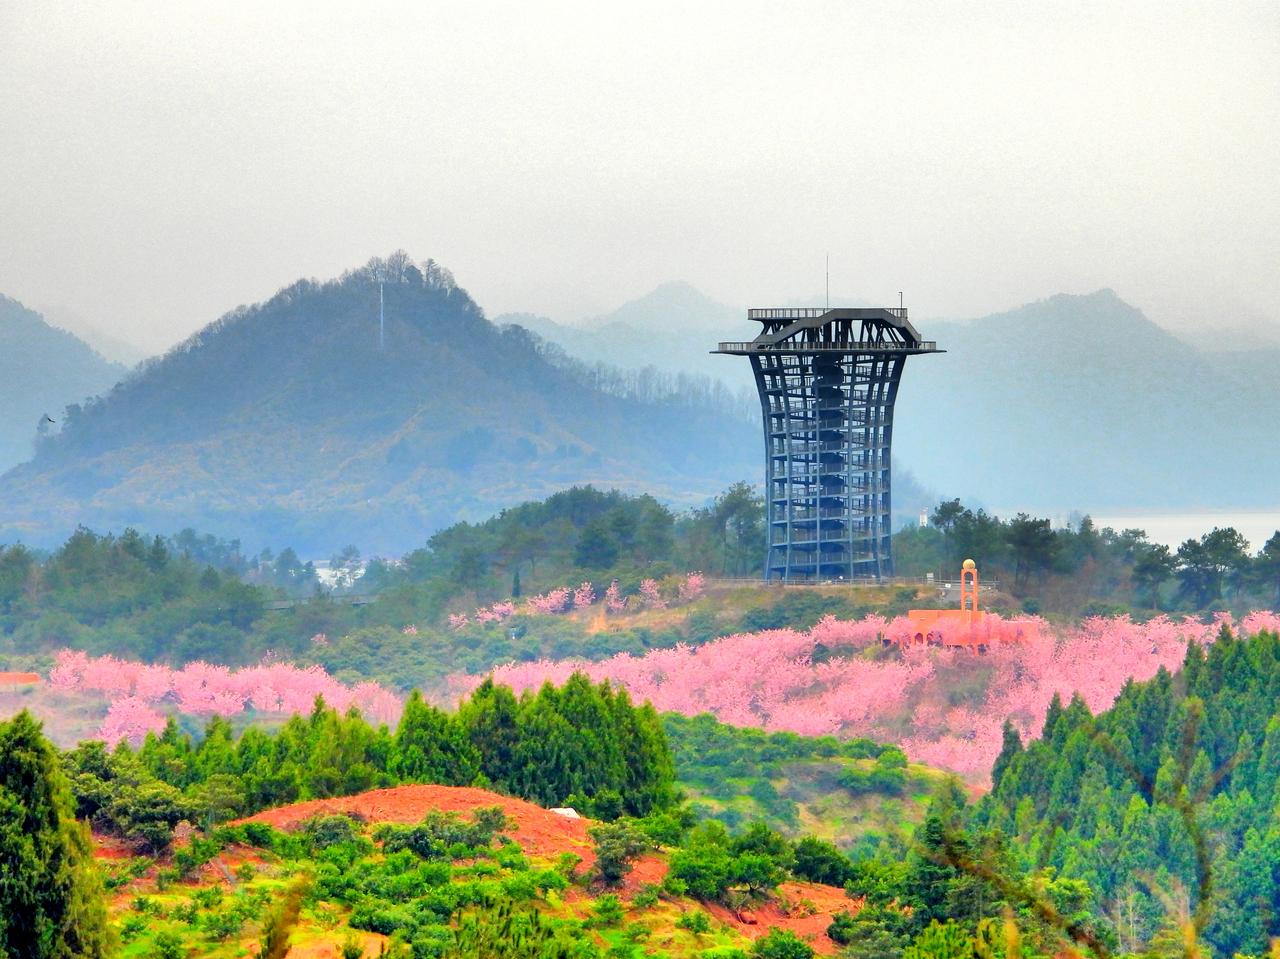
point(1073, 402)
point(42, 370)
point(1081, 402)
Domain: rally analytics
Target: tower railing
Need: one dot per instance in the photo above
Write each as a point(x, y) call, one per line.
point(811, 312)
point(834, 346)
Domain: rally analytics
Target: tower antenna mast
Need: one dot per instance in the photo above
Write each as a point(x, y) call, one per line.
point(828, 303)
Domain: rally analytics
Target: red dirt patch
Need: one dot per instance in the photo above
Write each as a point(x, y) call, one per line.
point(809, 909)
point(539, 832)
point(18, 679)
point(649, 870)
point(111, 847)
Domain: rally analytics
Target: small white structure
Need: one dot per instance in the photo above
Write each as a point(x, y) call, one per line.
point(567, 811)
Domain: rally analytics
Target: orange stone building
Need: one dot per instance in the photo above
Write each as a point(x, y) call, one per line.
point(965, 628)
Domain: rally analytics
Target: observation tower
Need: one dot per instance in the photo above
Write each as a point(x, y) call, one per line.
point(828, 379)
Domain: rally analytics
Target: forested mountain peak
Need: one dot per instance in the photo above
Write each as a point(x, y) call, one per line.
point(42, 369)
point(383, 395)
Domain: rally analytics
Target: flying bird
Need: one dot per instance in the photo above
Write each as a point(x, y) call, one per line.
point(49, 419)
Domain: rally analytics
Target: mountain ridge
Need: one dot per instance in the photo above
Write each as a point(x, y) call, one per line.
point(1105, 408)
point(1097, 405)
point(287, 420)
point(43, 369)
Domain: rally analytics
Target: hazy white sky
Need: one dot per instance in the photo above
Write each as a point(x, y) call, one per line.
point(162, 162)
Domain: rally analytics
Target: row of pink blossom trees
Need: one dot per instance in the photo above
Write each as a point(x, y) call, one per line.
point(563, 599)
point(141, 694)
point(788, 679)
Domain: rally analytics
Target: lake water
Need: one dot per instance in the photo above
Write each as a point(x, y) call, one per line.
point(1257, 526)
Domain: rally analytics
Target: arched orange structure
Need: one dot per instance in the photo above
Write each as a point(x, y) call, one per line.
point(964, 628)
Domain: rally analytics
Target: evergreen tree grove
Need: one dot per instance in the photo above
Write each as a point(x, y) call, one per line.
point(51, 898)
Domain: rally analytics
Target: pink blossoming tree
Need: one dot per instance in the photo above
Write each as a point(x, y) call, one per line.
point(651, 595)
point(693, 586)
point(614, 601)
point(584, 596)
point(555, 601)
point(139, 692)
point(775, 679)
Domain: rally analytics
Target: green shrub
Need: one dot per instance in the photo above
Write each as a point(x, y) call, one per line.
point(842, 928)
point(222, 925)
point(616, 845)
point(166, 945)
point(820, 861)
point(550, 879)
point(382, 919)
point(674, 886)
point(325, 831)
point(781, 944)
point(444, 835)
point(606, 912)
point(941, 941)
point(695, 921)
point(132, 927)
point(521, 887)
point(207, 897)
point(646, 897)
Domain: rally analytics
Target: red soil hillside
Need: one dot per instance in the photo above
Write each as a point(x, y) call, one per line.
point(539, 831)
point(804, 908)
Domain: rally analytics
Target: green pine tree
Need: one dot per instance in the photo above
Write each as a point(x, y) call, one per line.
point(51, 897)
point(431, 746)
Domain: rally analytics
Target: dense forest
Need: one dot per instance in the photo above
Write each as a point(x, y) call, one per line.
point(1164, 803)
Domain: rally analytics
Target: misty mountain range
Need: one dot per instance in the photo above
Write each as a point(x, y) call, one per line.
point(673, 329)
point(1081, 402)
point(42, 371)
point(285, 422)
point(1073, 402)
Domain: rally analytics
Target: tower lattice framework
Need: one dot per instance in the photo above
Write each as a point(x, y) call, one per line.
point(828, 379)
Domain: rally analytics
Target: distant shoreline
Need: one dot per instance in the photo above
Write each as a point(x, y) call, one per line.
point(1172, 528)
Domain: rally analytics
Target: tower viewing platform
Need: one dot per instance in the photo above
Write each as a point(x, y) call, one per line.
point(827, 380)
